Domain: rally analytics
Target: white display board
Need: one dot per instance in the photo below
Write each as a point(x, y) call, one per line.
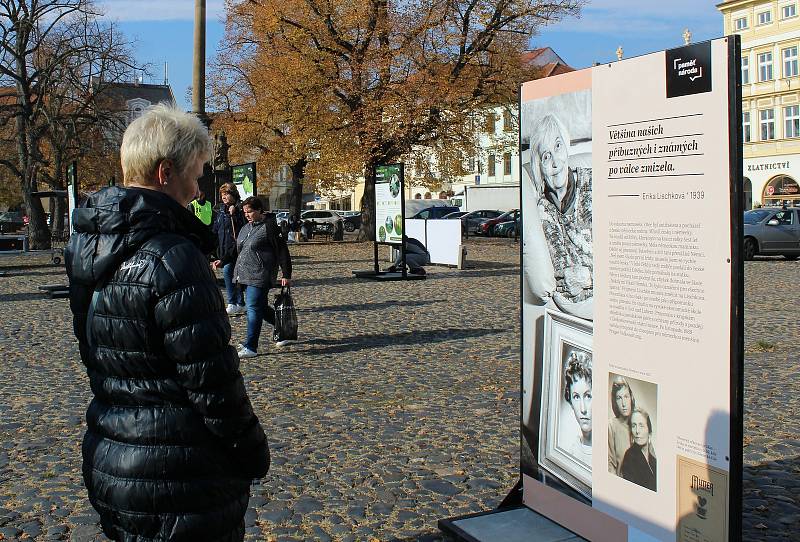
point(441, 237)
point(389, 204)
point(630, 278)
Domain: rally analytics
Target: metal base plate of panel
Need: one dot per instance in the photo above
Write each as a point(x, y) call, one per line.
point(515, 524)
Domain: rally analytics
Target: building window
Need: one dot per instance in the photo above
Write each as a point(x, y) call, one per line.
point(490, 123)
point(507, 163)
point(791, 119)
point(789, 61)
point(765, 67)
point(789, 11)
point(767, 121)
point(745, 70)
point(746, 126)
point(507, 121)
point(471, 164)
point(491, 165)
point(765, 17)
point(740, 23)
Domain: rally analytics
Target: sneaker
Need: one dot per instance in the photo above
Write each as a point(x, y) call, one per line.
point(234, 310)
point(284, 342)
point(245, 352)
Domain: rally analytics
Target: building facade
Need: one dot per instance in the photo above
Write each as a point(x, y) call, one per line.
point(770, 34)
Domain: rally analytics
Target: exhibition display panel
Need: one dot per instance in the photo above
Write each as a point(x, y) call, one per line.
point(632, 299)
point(631, 292)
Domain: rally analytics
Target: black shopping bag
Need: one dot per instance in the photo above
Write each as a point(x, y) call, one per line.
point(285, 316)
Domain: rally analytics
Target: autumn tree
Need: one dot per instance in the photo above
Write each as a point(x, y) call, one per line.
point(383, 78)
point(56, 59)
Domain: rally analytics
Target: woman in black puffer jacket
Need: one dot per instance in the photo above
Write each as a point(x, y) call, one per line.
point(172, 442)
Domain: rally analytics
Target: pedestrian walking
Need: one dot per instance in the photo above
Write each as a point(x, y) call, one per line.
point(172, 443)
point(262, 251)
point(228, 222)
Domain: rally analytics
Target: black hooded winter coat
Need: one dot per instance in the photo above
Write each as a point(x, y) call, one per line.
point(172, 441)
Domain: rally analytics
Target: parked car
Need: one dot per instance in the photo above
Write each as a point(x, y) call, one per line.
point(323, 221)
point(487, 226)
point(11, 221)
point(281, 217)
point(473, 218)
point(457, 214)
point(509, 229)
point(772, 230)
point(435, 212)
point(352, 220)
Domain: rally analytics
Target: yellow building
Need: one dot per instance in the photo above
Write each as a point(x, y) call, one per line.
point(770, 31)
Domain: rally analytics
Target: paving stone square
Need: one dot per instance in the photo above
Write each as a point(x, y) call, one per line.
point(398, 406)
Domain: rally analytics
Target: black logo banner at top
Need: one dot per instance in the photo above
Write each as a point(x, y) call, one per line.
point(689, 70)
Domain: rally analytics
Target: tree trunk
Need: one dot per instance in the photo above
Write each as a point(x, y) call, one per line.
point(57, 218)
point(367, 232)
point(296, 195)
point(38, 233)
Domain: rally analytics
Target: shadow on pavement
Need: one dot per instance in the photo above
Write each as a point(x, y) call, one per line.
point(360, 342)
point(54, 271)
point(22, 296)
point(371, 306)
point(770, 505)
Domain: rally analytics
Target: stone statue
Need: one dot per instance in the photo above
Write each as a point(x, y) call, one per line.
point(221, 152)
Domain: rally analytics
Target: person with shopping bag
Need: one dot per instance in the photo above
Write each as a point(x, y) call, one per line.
point(228, 221)
point(262, 250)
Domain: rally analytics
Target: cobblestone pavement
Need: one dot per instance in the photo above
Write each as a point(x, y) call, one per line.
point(398, 406)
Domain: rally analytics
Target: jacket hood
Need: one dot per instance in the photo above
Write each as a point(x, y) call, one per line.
point(115, 222)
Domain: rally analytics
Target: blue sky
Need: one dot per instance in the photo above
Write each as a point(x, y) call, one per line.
point(162, 30)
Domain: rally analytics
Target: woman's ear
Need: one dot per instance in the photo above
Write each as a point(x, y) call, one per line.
point(164, 172)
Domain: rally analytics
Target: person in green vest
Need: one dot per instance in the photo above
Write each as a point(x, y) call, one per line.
point(202, 209)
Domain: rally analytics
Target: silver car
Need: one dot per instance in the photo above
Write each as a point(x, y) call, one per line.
point(770, 231)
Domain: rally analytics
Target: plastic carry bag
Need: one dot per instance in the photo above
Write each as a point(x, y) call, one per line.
point(285, 316)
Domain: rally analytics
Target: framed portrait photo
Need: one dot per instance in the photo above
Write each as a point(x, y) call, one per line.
point(565, 443)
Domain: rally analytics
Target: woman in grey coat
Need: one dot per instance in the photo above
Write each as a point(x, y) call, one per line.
point(261, 251)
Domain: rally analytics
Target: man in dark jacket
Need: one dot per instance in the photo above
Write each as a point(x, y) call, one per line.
point(172, 442)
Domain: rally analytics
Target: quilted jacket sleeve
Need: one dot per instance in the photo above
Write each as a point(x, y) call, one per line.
point(191, 315)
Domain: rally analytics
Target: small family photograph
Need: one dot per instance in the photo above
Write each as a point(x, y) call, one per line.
point(557, 200)
point(632, 423)
point(565, 444)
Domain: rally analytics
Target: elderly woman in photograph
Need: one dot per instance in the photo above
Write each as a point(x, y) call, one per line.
point(639, 463)
point(172, 443)
point(558, 234)
point(619, 432)
point(578, 393)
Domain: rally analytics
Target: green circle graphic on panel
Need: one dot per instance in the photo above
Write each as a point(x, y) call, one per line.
point(389, 224)
point(398, 225)
point(382, 233)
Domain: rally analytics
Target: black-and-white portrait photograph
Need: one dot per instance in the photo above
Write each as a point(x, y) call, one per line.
point(632, 424)
point(565, 445)
point(557, 201)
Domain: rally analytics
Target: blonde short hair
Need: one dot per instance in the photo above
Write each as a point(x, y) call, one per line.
point(163, 132)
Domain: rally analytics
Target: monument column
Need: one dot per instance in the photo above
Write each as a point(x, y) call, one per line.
point(199, 65)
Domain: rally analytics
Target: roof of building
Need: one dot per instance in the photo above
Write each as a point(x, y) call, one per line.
point(131, 91)
point(542, 56)
point(554, 68)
